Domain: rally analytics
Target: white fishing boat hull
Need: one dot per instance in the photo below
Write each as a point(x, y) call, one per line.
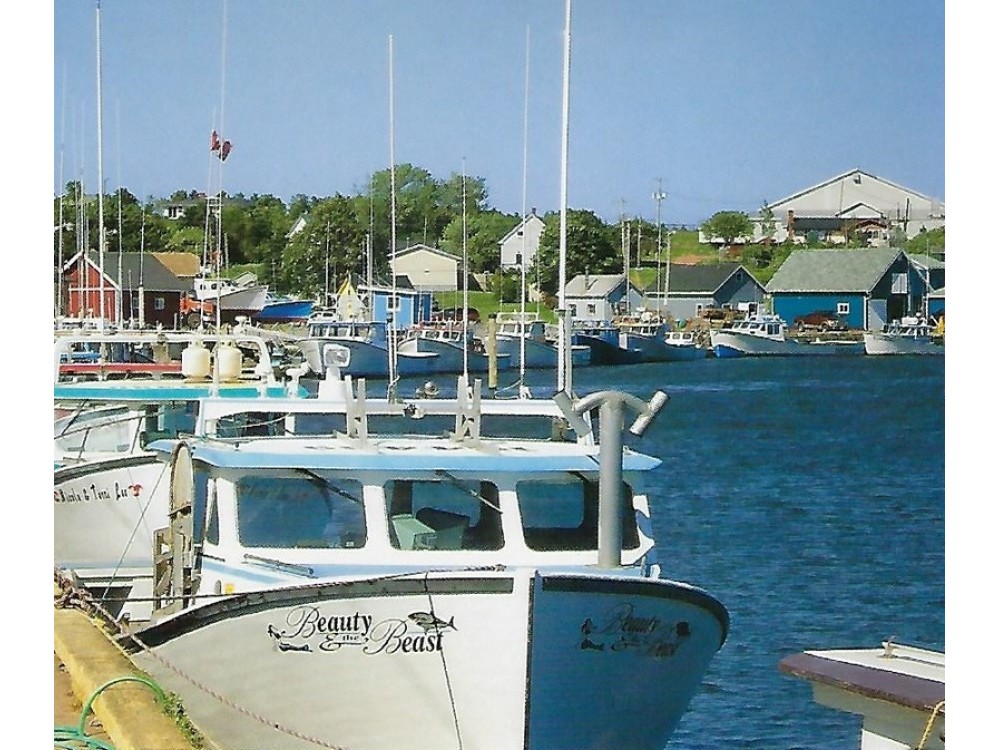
point(493, 660)
point(882, 343)
point(249, 300)
point(727, 344)
point(105, 511)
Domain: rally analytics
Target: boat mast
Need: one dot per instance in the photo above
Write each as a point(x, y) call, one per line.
point(222, 160)
point(522, 391)
point(62, 192)
point(465, 283)
point(564, 380)
point(391, 317)
point(100, 172)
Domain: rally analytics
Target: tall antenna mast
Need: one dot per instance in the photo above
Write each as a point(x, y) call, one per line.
point(565, 376)
point(391, 318)
point(100, 170)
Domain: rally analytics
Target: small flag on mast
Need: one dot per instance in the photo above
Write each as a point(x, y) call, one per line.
point(224, 152)
point(216, 144)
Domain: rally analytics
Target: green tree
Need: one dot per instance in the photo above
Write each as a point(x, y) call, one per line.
point(330, 246)
point(483, 232)
point(727, 226)
point(927, 242)
point(591, 247)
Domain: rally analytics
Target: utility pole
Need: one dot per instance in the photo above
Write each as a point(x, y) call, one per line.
point(659, 196)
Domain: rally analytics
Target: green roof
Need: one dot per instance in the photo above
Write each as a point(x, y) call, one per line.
point(833, 270)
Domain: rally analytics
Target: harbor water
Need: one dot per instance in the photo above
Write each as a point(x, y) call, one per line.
point(808, 494)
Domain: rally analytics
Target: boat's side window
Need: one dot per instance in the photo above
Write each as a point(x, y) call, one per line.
point(306, 511)
point(563, 515)
point(212, 517)
point(204, 489)
point(443, 514)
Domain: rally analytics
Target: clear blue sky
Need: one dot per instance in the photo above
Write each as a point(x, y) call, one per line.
point(729, 103)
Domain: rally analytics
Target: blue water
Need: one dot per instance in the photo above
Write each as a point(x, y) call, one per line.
point(807, 494)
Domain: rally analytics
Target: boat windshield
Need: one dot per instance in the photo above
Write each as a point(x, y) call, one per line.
point(562, 515)
point(306, 511)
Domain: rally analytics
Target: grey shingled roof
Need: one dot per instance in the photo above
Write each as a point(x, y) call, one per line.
point(155, 276)
point(926, 261)
point(593, 285)
point(703, 278)
point(833, 270)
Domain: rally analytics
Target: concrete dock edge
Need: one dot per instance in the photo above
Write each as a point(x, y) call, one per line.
point(128, 710)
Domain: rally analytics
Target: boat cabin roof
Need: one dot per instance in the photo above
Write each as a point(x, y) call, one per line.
point(403, 453)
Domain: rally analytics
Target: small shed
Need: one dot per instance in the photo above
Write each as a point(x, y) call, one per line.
point(686, 291)
point(600, 296)
point(865, 288)
point(429, 269)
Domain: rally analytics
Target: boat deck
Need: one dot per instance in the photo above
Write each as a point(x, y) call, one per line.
point(903, 675)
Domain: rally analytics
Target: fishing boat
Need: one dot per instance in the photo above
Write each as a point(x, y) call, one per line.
point(284, 309)
point(897, 690)
point(652, 339)
point(457, 348)
point(462, 577)
point(603, 338)
point(361, 348)
point(764, 334)
point(241, 296)
point(909, 335)
point(109, 490)
point(517, 332)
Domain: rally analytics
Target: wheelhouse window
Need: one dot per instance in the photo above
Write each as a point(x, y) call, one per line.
point(445, 514)
point(563, 515)
point(303, 511)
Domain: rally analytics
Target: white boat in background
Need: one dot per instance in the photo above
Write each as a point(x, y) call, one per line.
point(110, 491)
point(897, 690)
point(241, 296)
point(910, 335)
point(764, 334)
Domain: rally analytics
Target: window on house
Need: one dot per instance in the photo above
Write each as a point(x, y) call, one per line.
point(843, 308)
point(572, 310)
point(159, 303)
point(591, 309)
point(900, 283)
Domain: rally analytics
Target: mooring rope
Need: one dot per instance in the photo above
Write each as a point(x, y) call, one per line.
point(930, 723)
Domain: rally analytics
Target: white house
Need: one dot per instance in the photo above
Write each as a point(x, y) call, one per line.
point(521, 242)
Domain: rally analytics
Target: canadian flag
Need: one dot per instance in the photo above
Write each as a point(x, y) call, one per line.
point(215, 141)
